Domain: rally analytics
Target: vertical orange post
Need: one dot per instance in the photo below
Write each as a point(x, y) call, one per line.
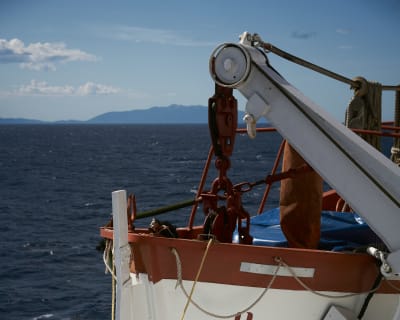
point(300, 203)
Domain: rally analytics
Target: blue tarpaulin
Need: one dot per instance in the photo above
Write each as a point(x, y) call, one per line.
point(339, 231)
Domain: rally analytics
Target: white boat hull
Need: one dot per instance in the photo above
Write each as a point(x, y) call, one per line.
point(165, 300)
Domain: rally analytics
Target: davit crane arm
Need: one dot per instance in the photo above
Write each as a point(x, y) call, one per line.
point(361, 175)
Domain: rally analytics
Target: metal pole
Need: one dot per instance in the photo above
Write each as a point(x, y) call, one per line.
point(122, 253)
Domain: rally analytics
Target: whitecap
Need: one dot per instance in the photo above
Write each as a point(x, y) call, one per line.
point(44, 316)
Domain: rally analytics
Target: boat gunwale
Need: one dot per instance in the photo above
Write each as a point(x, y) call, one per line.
point(334, 271)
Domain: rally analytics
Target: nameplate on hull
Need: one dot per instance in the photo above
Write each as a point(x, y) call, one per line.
point(283, 271)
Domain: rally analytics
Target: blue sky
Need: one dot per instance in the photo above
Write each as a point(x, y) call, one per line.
point(78, 59)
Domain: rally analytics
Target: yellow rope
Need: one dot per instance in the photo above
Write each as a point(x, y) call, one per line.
point(197, 277)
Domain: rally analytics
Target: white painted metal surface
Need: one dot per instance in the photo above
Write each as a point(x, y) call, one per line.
point(366, 179)
point(166, 301)
point(339, 313)
point(122, 254)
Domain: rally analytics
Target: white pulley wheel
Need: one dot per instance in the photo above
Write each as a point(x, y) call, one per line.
point(230, 66)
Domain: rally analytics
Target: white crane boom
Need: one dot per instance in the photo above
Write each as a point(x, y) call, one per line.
point(366, 179)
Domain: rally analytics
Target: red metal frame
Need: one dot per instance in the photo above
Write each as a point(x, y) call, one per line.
point(274, 177)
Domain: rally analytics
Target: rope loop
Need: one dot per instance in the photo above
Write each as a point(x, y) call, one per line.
point(280, 263)
point(189, 296)
point(330, 296)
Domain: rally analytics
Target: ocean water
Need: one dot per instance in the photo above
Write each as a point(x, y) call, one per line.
point(55, 193)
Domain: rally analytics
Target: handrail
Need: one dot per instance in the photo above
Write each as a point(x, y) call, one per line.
point(377, 133)
point(201, 186)
point(273, 171)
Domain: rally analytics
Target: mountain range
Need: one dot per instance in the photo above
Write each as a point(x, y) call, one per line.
point(173, 114)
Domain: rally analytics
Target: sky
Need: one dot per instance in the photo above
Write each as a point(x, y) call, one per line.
point(76, 59)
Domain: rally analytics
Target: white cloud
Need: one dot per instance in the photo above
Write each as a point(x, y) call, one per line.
point(90, 88)
point(40, 56)
point(43, 88)
point(158, 36)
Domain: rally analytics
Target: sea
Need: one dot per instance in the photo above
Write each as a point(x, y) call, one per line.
point(55, 194)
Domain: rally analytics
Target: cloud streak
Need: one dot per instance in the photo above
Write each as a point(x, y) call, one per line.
point(343, 31)
point(303, 35)
point(90, 88)
point(40, 56)
point(42, 88)
point(148, 35)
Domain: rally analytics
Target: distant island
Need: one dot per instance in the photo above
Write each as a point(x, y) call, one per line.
point(173, 114)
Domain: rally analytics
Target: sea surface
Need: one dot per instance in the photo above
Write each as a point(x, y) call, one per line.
point(55, 193)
